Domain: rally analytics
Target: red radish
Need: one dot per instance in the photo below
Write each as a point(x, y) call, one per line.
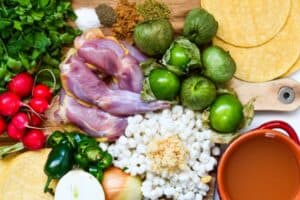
point(34, 139)
point(21, 84)
point(23, 120)
point(10, 103)
point(14, 133)
point(35, 120)
point(3, 125)
point(39, 105)
point(42, 91)
point(20, 120)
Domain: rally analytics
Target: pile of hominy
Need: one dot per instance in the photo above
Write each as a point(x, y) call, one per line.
point(131, 153)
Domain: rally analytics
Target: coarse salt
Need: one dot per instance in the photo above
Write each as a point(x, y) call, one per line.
point(87, 19)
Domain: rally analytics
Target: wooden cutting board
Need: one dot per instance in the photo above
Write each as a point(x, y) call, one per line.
point(278, 95)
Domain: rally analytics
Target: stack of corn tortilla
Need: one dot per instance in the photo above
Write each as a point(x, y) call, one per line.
point(263, 37)
point(22, 176)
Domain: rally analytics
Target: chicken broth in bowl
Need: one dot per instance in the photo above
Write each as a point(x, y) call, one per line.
point(261, 167)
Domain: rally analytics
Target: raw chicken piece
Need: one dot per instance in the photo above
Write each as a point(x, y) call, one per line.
point(88, 35)
point(134, 52)
point(80, 81)
point(91, 120)
point(109, 56)
point(130, 75)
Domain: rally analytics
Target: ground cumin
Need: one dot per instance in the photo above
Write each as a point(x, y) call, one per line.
point(127, 18)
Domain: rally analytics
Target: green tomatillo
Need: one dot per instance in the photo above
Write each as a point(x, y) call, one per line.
point(197, 92)
point(218, 64)
point(182, 56)
point(226, 114)
point(164, 84)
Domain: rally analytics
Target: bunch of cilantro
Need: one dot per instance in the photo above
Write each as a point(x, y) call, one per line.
point(32, 36)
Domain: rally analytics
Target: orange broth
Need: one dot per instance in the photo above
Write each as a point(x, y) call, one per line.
point(262, 168)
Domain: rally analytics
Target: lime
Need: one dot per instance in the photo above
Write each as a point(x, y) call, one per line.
point(164, 84)
point(218, 64)
point(226, 114)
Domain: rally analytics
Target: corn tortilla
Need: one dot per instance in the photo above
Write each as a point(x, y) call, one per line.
point(248, 23)
point(23, 177)
point(294, 68)
point(273, 59)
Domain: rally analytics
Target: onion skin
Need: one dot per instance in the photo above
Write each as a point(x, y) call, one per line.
point(118, 185)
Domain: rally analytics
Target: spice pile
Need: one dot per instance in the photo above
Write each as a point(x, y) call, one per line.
point(127, 18)
point(107, 14)
point(152, 9)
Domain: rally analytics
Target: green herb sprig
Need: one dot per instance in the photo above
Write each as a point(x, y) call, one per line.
point(32, 35)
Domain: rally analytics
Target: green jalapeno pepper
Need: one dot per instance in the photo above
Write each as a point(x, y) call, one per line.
point(59, 162)
point(106, 160)
point(78, 137)
point(82, 145)
point(96, 172)
point(56, 138)
point(81, 161)
point(93, 153)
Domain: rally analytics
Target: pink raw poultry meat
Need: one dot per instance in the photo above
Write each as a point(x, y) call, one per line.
point(81, 82)
point(92, 120)
point(134, 52)
point(110, 57)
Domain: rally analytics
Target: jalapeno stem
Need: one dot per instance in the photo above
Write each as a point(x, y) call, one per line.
point(46, 188)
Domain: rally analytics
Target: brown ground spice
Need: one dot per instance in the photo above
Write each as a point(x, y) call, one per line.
point(127, 18)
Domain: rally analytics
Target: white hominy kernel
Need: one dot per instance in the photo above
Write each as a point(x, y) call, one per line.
point(189, 195)
point(131, 143)
point(195, 146)
point(201, 171)
point(184, 177)
point(207, 134)
point(199, 197)
point(213, 161)
point(206, 145)
point(191, 124)
point(216, 151)
point(128, 133)
point(168, 191)
point(149, 115)
point(138, 118)
point(194, 154)
point(141, 170)
point(122, 140)
point(141, 149)
point(209, 166)
point(126, 153)
point(204, 158)
point(103, 146)
point(177, 110)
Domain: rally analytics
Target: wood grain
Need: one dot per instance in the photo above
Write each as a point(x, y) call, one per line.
point(266, 94)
